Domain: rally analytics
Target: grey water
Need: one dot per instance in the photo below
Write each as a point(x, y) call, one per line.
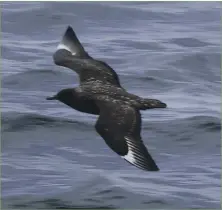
point(52, 156)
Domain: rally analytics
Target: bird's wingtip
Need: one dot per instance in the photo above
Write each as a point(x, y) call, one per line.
point(139, 156)
point(71, 43)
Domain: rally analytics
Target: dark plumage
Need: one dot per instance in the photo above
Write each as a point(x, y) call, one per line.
point(100, 93)
point(73, 99)
point(70, 53)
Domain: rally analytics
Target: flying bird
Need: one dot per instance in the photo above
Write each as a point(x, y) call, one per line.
point(100, 93)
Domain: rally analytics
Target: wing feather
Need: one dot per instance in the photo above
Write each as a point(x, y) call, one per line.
point(70, 53)
point(120, 125)
point(138, 155)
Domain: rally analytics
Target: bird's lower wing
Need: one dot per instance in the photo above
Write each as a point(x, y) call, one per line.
point(120, 126)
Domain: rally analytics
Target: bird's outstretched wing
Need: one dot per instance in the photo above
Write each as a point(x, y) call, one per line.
point(71, 54)
point(120, 126)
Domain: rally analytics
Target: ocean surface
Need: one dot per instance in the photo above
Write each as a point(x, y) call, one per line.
point(52, 156)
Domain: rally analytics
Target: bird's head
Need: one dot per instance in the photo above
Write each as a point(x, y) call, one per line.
point(64, 95)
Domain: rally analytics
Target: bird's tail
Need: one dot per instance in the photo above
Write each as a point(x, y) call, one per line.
point(151, 104)
point(71, 43)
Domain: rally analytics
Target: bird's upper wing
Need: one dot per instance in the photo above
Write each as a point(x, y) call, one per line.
point(71, 54)
point(120, 126)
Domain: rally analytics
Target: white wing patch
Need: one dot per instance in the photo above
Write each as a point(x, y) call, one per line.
point(65, 47)
point(130, 157)
point(138, 156)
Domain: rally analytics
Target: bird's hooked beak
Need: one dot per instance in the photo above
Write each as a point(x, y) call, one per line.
point(52, 97)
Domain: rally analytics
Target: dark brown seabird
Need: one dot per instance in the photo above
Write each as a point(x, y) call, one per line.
point(100, 93)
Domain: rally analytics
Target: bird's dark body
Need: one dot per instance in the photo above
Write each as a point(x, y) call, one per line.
point(100, 93)
point(84, 105)
point(112, 93)
point(79, 102)
point(83, 98)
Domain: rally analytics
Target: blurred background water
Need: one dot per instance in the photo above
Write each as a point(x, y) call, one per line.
point(51, 155)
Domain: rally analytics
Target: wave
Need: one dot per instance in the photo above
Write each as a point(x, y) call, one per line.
point(32, 73)
point(185, 127)
point(40, 80)
point(189, 42)
point(199, 65)
point(12, 122)
point(205, 122)
point(97, 193)
point(58, 204)
point(139, 45)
